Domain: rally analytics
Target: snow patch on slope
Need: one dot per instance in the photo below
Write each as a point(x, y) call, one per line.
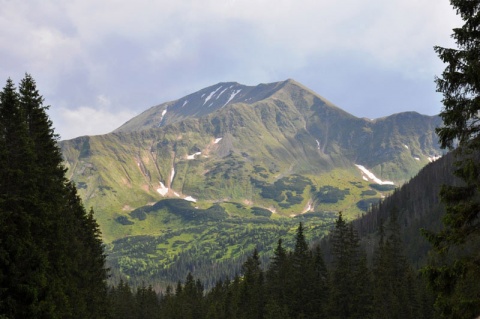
point(308, 208)
point(221, 92)
point(217, 140)
point(190, 199)
point(210, 95)
point(191, 157)
point(163, 115)
point(162, 190)
point(370, 176)
point(172, 175)
point(232, 96)
point(433, 158)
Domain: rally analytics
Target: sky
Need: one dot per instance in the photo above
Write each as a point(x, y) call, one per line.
point(100, 63)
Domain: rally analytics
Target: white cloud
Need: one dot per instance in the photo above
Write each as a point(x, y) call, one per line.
point(86, 120)
point(138, 54)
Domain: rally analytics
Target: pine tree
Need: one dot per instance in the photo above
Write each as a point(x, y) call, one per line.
point(51, 256)
point(22, 261)
point(350, 295)
point(303, 303)
point(123, 303)
point(147, 303)
point(167, 304)
point(215, 301)
point(279, 277)
point(252, 296)
point(191, 298)
point(455, 265)
point(395, 294)
point(321, 285)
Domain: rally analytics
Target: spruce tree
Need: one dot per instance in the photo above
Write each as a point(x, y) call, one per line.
point(350, 295)
point(279, 277)
point(123, 303)
point(394, 291)
point(23, 263)
point(321, 285)
point(167, 304)
point(303, 300)
point(51, 256)
point(147, 303)
point(454, 266)
point(252, 295)
point(191, 299)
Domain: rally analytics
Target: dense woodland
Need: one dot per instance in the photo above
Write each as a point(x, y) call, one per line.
point(297, 284)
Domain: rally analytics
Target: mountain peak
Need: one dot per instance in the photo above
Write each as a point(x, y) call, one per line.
point(204, 102)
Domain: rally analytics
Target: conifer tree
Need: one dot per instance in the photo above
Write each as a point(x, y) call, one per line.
point(456, 263)
point(252, 301)
point(51, 254)
point(350, 279)
point(191, 298)
point(147, 303)
point(123, 303)
point(22, 260)
point(232, 300)
point(304, 279)
point(215, 303)
point(279, 277)
point(321, 285)
point(167, 304)
point(394, 291)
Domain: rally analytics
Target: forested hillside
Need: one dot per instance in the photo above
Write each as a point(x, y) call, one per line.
point(418, 206)
point(297, 284)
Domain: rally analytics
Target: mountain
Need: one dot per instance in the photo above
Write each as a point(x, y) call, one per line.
point(239, 159)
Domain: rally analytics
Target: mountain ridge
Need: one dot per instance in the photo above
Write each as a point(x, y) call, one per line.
point(198, 182)
point(209, 100)
point(230, 142)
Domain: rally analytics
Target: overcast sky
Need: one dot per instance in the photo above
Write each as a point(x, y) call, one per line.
point(99, 63)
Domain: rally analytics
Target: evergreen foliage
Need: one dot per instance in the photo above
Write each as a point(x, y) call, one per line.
point(51, 254)
point(350, 295)
point(296, 284)
point(454, 270)
point(394, 292)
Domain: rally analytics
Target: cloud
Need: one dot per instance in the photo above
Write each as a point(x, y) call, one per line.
point(146, 52)
point(86, 120)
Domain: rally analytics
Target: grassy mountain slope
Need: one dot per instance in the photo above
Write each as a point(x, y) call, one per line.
point(244, 159)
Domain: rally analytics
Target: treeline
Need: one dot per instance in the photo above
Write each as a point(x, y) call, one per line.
point(297, 284)
point(224, 246)
point(51, 253)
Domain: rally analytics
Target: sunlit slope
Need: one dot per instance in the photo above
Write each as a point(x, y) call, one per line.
point(277, 146)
